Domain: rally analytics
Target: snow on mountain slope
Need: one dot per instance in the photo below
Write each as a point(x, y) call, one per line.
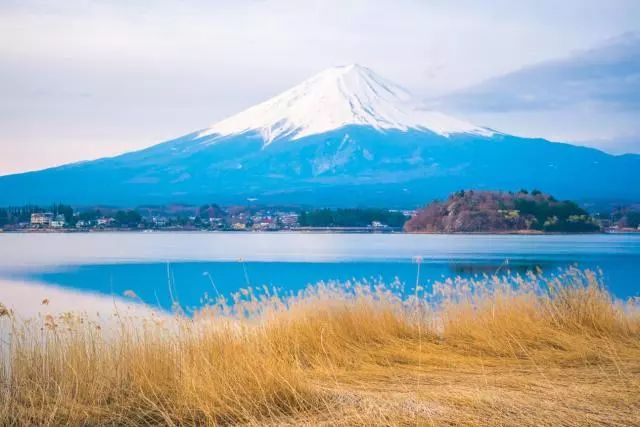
point(337, 97)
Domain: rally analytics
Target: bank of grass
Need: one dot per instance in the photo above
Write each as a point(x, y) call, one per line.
point(504, 350)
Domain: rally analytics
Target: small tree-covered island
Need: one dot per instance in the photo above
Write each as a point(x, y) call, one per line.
point(498, 211)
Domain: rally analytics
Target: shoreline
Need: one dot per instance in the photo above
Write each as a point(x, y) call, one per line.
point(321, 230)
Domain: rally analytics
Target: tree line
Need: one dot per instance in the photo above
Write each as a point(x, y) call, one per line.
point(350, 217)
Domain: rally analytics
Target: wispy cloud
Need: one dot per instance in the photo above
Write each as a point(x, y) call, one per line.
point(608, 75)
point(591, 97)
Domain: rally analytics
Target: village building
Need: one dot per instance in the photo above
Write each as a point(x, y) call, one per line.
point(160, 221)
point(41, 219)
point(104, 221)
point(58, 222)
point(289, 219)
point(378, 225)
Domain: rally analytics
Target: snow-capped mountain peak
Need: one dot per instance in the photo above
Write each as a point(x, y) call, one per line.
point(338, 97)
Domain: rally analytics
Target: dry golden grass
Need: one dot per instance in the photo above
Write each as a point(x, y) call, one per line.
point(495, 351)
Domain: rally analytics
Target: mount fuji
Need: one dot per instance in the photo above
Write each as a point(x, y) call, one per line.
point(343, 137)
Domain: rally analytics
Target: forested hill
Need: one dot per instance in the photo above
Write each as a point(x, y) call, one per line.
point(496, 211)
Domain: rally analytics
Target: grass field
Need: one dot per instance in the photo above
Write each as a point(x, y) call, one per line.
point(495, 351)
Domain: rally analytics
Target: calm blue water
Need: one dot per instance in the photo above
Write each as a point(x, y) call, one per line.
point(147, 263)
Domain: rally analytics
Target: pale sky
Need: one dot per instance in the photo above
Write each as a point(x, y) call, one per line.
point(81, 79)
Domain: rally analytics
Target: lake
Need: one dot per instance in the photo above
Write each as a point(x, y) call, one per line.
point(160, 267)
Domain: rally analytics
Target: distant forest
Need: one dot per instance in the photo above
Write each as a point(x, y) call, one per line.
point(350, 218)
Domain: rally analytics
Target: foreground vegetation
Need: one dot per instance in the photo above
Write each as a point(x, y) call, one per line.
point(494, 351)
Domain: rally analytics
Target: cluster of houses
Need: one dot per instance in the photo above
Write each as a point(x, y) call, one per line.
point(47, 220)
point(260, 221)
point(609, 226)
point(617, 229)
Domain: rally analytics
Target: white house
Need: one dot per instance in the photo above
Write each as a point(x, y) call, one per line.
point(104, 221)
point(58, 222)
point(42, 219)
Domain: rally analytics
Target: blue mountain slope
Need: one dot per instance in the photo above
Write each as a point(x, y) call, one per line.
point(353, 165)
